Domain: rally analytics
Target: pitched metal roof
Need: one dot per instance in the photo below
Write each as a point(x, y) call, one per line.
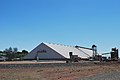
point(64, 50)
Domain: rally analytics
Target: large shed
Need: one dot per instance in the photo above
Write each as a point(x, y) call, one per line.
point(50, 51)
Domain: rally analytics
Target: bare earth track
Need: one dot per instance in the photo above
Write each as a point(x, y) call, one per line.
point(59, 71)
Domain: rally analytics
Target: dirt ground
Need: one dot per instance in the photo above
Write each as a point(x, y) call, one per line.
point(57, 72)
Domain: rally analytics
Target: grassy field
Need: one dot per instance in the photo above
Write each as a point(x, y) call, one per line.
point(72, 72)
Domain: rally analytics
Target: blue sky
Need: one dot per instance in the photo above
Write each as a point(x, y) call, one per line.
point(26, 23)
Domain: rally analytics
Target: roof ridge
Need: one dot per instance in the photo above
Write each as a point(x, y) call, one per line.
point(58, 44)
point(67, 45)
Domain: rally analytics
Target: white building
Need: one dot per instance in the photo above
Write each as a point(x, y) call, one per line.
point(49, 51)
point(2, 58)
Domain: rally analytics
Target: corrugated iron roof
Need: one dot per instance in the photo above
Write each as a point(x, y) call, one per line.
point(65, 49)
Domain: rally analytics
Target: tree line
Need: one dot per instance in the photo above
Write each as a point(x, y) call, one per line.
point(13, 54)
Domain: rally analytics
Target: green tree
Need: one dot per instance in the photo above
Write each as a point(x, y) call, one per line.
point(10, 53)
point(24, 52)
point(15, 50)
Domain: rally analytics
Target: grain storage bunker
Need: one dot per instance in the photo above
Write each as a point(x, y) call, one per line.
point(50, 51)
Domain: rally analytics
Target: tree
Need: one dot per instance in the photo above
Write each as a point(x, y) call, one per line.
point(10, 49)
point(10, 53)
point(13, 53)
point(15, 50)
point(6, 50)
point(24, 52)
point(1, 52)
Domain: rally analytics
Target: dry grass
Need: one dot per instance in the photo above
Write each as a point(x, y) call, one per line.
point(56, 73)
